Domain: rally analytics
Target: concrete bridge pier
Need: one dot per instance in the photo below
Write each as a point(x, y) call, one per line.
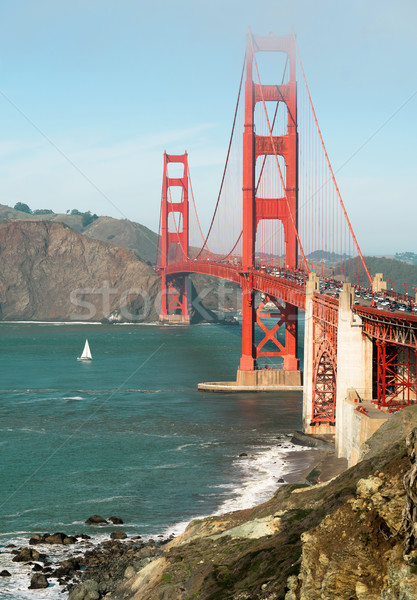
point(333, 336)
point(354, 368)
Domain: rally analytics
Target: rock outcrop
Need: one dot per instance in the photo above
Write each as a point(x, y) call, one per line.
point(50, 272)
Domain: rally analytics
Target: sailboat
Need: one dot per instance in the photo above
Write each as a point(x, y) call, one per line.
point(86, 355)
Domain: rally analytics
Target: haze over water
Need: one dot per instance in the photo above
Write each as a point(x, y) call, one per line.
point(128, 434)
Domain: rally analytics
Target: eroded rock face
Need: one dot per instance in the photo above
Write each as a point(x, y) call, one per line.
point(360, 551)
point(50, 272)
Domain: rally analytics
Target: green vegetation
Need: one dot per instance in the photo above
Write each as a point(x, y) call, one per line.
point(397, 271)
point(86, 217)
point(394, 270)
point(299, 513)
point(22, 207)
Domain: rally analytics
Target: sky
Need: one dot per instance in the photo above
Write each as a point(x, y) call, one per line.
point(93, 91)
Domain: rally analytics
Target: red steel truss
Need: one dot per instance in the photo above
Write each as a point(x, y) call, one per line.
point(325, 318)
point(396, 375)
point(392, 328)
point(174, 244)
point(282, 316)
point(395, 352)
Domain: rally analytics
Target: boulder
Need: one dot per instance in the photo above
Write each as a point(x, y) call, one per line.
point(36, 539)
point(59, 538)
point(38, 582)
point(69, 539)
point(118, 535)
point(26, 555)
point(70, 563)
point(129, 572)
point(5, 573)
point(67, 567)
point(96, 520)
point(88, 590)
point(116, 520)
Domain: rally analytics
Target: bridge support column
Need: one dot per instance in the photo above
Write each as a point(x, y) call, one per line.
point(354, 368)
point(247, 361)
point(174, 300)
point(270, 345)
point(313, 285)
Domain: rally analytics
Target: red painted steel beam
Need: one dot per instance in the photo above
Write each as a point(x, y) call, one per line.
point(278, 287)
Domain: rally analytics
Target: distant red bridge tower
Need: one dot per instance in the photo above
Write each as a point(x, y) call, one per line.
point(174, 243)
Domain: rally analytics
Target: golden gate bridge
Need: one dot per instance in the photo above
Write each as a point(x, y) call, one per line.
point(280, 228)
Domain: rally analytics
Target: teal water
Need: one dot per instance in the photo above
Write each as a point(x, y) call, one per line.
point(128, 434)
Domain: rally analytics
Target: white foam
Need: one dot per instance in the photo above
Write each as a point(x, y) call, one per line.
point(259, 475)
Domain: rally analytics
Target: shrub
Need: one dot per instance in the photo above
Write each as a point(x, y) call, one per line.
point(22, 207)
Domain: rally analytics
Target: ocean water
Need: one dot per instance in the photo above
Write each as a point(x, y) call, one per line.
point(128, 434)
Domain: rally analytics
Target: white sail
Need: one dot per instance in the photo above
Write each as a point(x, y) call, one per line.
point(86, 355)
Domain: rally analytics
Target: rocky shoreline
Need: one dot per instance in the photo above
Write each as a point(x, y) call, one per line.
point(350, 536)
point(70, 560)
point(88, 569)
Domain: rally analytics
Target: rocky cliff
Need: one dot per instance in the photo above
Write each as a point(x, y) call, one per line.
point(353, 537)
point(50, 272)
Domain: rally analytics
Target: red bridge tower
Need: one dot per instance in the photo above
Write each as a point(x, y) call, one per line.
point(256, 209)
point(174, 243)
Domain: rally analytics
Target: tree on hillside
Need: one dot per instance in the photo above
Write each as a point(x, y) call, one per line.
point(88, 218)
point(43, 211)
point(22, 207)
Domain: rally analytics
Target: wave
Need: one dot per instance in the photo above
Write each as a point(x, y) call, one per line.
point(259, 472)
point(169, 466)
point(103, 500)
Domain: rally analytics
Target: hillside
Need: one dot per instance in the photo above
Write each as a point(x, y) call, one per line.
point(50, 272)
point(395, 270)
point(126, 234)
point(116, 232)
